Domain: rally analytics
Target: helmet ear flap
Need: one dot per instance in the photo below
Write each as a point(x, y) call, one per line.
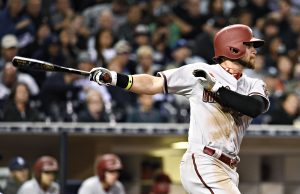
point(234, 51)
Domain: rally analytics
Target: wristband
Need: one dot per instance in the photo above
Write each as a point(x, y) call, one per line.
point(124, 81)
point(130, 82)
point(114, 77)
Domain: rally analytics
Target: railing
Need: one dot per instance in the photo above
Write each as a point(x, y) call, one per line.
point(133, 128)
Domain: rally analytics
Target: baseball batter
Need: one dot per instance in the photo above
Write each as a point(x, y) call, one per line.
point(223, 102)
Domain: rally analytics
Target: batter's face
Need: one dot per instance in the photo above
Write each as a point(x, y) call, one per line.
point(248, 60)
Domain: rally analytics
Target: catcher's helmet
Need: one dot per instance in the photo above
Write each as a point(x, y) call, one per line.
point(45, 164)
point(229, 41)
point(107, 162)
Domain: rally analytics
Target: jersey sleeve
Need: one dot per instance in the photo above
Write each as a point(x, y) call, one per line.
point(178, 80)
point(259, 88)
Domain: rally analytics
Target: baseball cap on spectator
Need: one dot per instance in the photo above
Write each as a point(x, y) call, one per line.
point(142, 29)
point(122, 47)
point(180, 43)
point(52, 39)
point(18, 163)
point(9, 41)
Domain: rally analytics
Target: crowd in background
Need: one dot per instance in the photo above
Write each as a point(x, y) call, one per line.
point(136, 36)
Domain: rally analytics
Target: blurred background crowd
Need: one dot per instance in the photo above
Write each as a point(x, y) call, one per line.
point(136, 36)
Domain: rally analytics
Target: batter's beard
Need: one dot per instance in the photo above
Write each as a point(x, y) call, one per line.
point(246, 64)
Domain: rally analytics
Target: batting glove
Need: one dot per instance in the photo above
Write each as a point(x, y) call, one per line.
point(207, 80)
point(103, 76)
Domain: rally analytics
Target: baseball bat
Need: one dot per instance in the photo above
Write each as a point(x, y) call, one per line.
point(28, 63)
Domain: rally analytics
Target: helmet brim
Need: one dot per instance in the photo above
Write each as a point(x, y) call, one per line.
point(257, 42)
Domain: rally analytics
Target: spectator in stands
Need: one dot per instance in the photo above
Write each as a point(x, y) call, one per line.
point(106, 15)
point(145, 61)
point(85, 63)
point(164, 25)
point(270, 30)
point(160, 41)
point(106, 21)
point(275, 49)
point(10, 76)
point(287, 110)
point(14, 21)
point(189, 19)
point(287, 23)
point(203, 44)
point(101, 47)
point(52, 53)
point(81, 31)
point(291, 38)
point(18, 108)
point(18, 174)
point(134, 17)
point(285, 69)
point(68, 41)
point(61, 14)
point(145, 111)
point(94, 110)
point(107, 169)
point(122, 60)
point(44, 173)
point(9, 49)
point(216, 13)
point(34, 11)
point(260, 9)
point(161, 185)
point(43, 31)
point(182, 55)
point(142, 36)
point(59, 95)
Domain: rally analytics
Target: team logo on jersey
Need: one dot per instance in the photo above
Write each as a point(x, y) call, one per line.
point(209, 96)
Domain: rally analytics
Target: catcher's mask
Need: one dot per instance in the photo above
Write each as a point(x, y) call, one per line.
point(230, 42)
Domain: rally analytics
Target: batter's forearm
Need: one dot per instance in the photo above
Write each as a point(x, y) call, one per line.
point(249, 105)
point(140, 84)
point(147, 84)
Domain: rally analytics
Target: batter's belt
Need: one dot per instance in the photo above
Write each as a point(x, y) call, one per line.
point(231, 162)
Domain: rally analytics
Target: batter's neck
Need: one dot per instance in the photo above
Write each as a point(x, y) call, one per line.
point(234, 69)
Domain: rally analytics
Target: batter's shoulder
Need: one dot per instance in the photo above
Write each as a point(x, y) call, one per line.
point(251, 79)
point(199, 65)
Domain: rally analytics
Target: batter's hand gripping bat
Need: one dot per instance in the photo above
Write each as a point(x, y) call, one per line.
point(33, 64)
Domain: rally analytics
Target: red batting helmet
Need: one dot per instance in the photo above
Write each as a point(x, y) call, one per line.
point(107, 162)
point(161, 184)
point(44, 164)
point(229, 41)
